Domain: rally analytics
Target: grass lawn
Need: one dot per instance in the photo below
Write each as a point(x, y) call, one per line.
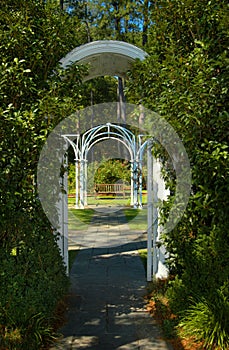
point(71, 257)
point(143, 255)
point(85, 215)
point(136, 218)
point(103, 201)
point(79, 219)
point(106, 200)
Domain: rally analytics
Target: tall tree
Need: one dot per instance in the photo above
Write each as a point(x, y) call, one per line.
point(121, 20)
point(145, 26)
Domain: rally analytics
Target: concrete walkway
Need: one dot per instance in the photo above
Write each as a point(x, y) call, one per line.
point(106, 306)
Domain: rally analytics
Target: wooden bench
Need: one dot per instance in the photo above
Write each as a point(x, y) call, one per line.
point(111, 190)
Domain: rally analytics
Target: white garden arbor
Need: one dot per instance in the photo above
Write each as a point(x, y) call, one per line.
point(112, 58)
point(82, 144)
point(115, 58)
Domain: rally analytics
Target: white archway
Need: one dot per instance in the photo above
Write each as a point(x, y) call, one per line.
point(112, 58)
point(82, 144)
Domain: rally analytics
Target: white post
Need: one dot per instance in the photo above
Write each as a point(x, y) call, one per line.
point(162, 194)
point(65, 215)
point(149, 209)
point(82, 184)
point(155, 228)
point(85, 182)
point(140, 184)
point(132, 184)
point(135, 173)
point(62, 207)
point(77, 183)
point(59, 207)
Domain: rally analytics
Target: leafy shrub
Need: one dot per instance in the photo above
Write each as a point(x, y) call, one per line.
point(32, 280)
point(111, 171)
point(208, 321)
point(177, 294)
point(31, 334)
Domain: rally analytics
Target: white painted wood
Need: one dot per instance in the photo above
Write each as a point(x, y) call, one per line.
point(155, 225)
point(149, 209)
point(160, 194)
point(65, 216)
point(105, 57)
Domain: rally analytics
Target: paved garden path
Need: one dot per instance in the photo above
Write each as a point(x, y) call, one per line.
point(106, 305)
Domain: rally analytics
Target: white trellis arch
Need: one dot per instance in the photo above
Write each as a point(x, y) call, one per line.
point(82, 144)
point(114, 58)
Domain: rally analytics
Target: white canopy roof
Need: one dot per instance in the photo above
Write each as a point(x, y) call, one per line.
point(105, 57)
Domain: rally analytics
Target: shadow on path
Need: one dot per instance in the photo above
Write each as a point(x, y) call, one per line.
point(106, 308)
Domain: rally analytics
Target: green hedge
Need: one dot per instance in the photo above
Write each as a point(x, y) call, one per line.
point(32, 280)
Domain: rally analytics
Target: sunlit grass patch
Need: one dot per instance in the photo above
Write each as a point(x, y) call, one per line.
point(85, 215)
point(136, 218)
point(79, 219)
point(71, 257)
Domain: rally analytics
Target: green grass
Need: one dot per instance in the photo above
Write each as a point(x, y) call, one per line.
point(106, 200)
point(131, 213)
point(109, 201)
point(79, 219)
point(136, 218)
point(143, 255)
point(71, 257)
point(84, 215)
point(103, 201)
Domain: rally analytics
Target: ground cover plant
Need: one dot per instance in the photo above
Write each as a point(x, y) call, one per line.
point(203, 326)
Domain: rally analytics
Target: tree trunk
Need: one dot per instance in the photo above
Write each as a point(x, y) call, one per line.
point(145, 22)
point(121, 102)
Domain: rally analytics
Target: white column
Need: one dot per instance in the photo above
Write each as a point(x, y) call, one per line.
point(81, 205)
point(65, 215)
point(140, 184)
point(149, 209)
point(155, 227)
point(132, 185)
point(62, 207)
point(162, 194)
point(77, 183)
point(60, 223)
point(135, 184)
point(85, 182)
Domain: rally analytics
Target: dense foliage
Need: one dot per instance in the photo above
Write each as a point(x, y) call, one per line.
point(185, 79)
point(34, 36)
point(112, 171)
